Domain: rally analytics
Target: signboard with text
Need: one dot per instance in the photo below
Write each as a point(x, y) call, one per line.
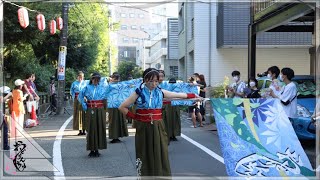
point(62, 63)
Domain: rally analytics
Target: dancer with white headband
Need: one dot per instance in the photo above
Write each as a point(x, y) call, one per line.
point(151, 141)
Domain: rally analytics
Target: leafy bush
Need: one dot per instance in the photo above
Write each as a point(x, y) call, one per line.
point(217, 91)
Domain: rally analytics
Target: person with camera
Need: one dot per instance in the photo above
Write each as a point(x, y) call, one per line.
point(288, 95)
point(53, 94)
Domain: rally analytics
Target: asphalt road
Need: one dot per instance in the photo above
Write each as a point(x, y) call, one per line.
point(196, 154)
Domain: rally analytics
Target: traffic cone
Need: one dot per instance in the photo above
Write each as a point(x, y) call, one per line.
point(33, 115)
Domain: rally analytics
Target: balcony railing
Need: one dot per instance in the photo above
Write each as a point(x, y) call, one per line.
point(154, 57)
point(261, 5)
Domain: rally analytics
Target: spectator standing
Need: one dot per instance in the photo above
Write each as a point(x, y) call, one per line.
point(288, 95)
point(17, 105)
point(202, 93)
point(238, 86)
point(194, 110)
point(53, 94)
point(273, 74)
point(5, 94)
point(254, 91)
point(28, 88)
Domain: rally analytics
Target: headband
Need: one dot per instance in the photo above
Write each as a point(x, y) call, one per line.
point(150, 72)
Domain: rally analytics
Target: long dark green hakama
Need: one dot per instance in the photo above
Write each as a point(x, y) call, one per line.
point(151, 144)
point(174, 122)
point(78, 116)
point(96, 128)
point(117, 124)
point(165, 118)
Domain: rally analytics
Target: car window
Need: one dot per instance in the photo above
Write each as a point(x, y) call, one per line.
point(306, 88)
point(268, 82)
point(260, 84)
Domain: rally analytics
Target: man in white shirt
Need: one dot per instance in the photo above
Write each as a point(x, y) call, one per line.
point(273, 74)
point(238, 86)
point(288, 96)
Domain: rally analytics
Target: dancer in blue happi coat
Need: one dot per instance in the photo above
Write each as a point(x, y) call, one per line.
point(78, 113)
point(151, 141)
point(93, 100)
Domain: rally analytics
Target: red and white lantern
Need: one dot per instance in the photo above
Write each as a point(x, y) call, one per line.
point(23, 17)
point(41, 22)
point(59, 23)
point(53, 26)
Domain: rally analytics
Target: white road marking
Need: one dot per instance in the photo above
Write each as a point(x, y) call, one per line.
point(203, 148)
point(57, 160)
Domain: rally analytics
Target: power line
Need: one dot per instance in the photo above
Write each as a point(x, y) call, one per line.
point(20, 6)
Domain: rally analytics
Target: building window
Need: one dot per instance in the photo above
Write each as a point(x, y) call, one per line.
point(141, 16)
point(134, 27)
point(124, 27)
point(123, 15)
point(181, 18)
point(174, 71)
point(131, 15)
point(141, 27)
point(135, 40)
point(125, 54)
point(192, 27)
point(125, 40)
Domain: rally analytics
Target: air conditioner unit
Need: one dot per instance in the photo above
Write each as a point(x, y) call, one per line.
point(158, 65)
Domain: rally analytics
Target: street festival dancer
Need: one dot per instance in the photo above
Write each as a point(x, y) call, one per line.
point(93, 101)
point(173, 113)
point(151, 141)
point(165, 85)
point(117, 121)
point(78, 113)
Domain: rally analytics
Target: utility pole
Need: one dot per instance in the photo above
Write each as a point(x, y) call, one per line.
point(62, 59)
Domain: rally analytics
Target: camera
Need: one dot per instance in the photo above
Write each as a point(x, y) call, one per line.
point(262, 74)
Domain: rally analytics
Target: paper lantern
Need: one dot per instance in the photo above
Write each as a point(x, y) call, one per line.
point(23, 17)
point(53, 27)
point(59, 23)
point(41, 22)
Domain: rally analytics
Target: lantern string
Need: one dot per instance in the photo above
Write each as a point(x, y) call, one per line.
point(20, 6)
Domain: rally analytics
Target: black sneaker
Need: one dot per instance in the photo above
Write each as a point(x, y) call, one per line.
point(174, 139)
point(91, 154)
point(97, 154)
point(6, 148)
point(115, 141)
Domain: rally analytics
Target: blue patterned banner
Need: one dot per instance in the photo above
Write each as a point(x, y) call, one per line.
point(117, 92)
point(186, 88)
point(257, 139)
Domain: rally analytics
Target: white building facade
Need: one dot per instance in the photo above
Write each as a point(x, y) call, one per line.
point(213, 42)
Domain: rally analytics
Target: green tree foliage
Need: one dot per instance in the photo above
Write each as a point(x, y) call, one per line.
point(30, 50)
point(127, 67)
